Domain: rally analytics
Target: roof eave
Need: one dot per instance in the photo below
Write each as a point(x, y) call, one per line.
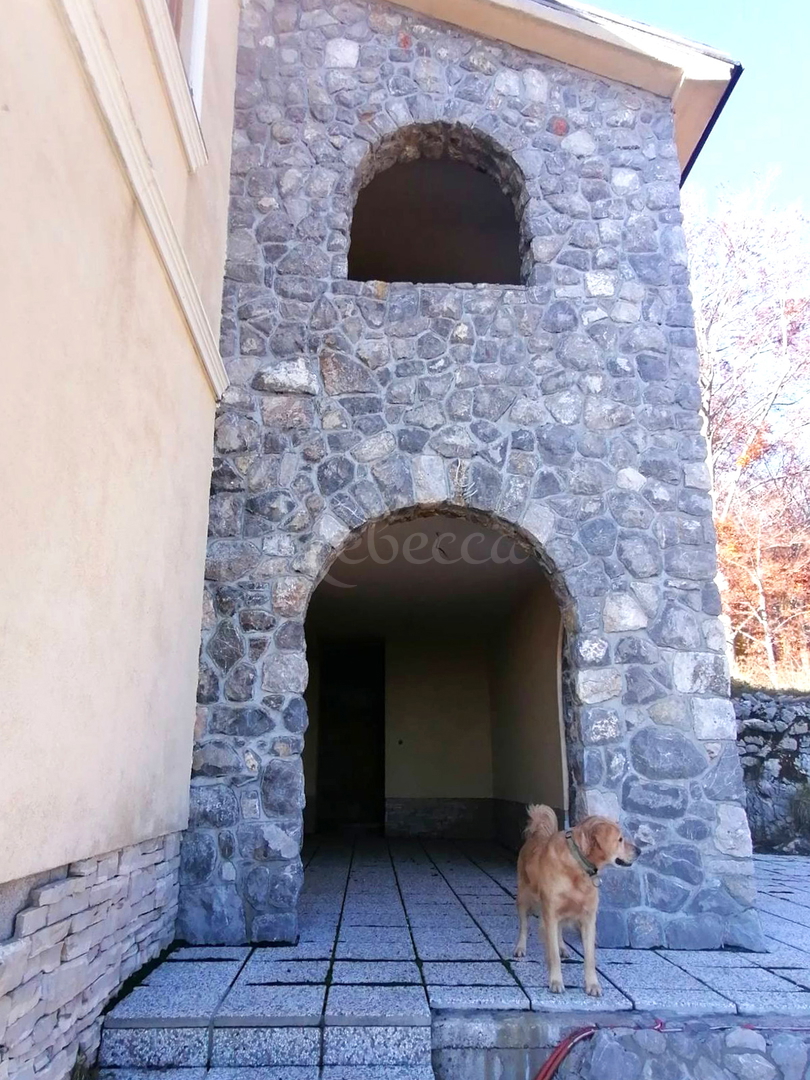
point(695, 78)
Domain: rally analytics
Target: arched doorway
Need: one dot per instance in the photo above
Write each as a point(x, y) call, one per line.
point(433, 647)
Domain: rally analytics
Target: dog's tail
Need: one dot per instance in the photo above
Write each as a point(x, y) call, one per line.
point(542, 823)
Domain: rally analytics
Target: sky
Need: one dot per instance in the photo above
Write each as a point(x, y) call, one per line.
point(766, 121)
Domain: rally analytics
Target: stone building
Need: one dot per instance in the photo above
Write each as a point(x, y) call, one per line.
point(457, 302)
point(460, 548)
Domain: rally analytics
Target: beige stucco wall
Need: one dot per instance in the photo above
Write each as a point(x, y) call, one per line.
point(437, 718)
point(526, 740)
point(107, 416)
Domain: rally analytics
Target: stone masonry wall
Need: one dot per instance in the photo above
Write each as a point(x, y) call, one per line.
point(713, 1049)
point(774, 745)
point(77, 941)
point(565, 412)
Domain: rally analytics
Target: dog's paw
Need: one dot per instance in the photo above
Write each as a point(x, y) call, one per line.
point(557, 986)
point(565, 952)
point(593, 988)
point(520, 951)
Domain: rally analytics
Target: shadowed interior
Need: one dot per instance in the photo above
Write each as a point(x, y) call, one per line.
point(434, 221)
point(433, 695)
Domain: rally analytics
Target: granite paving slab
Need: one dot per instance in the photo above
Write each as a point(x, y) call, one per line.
point(210, 952)
point(349, 1006)
point(482, 973)
point(781, 955)
point(376, 1046)
point(199, 975)
point(380, 972)
point(285, 971)
point(304, 951)
point(266, 1072)
point(271, 1006)
point(695, 959)
point(149, 1006)
point(147, 1074)
point(574, 999)
point(629, 977)
point(478, 997)
point(377, 1072)
point(392, 935)
point(456, 950)
point(681, 1002)
point(154, 1048)
point(242, 1047)
point(769, 1003)
point(799, 976)
point(374, 950)
point(532, 973)
point(754, 979)
point(370, 917)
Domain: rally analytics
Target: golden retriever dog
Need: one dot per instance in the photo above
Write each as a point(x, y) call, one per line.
point(557, 880)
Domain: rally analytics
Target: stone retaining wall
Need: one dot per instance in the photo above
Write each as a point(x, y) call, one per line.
point(77, 941)
point(774, 745)
point(714, 1049)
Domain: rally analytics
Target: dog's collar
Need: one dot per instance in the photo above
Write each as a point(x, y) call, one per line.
point(586, 864)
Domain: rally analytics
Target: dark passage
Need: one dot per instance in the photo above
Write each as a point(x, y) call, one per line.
point(430, 221)
point(351, 748)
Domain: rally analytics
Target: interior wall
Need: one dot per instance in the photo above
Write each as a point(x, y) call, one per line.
point(437, 718)
point(526, 737)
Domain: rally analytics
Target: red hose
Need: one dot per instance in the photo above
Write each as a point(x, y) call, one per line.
point(561, 1051)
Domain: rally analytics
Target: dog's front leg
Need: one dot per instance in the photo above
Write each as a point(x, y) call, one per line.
point(552, 927)
point(588, 931)
point(523, 920)
point(565, 952)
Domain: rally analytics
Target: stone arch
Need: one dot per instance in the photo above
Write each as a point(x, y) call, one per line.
point(464, 144)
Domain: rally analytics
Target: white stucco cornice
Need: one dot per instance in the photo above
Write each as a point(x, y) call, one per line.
point(95, 55)
point(695, 78)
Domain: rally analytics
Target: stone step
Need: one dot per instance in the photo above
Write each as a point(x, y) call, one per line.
point(280, 1072)
point(225, 1048)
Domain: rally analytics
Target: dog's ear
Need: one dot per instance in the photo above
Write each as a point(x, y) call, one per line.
point(598, 839)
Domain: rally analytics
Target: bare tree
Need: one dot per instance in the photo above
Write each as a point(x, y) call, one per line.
point(750, 266)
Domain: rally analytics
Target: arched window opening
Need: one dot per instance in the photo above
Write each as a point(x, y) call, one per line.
point(438, 204)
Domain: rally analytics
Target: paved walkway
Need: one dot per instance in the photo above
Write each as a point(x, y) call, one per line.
point(392, 932)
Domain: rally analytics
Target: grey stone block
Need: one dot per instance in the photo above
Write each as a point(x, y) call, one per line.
point(148, 1074)
point(382, 972)
point(285, 971)
point(202, 976)
point(770, 1003)
point(693, 1003)
point(477, 997)
point(374, 950)
point(744, 979)
point(148, 1006)
point(242, 1047)
point(271, 1006)
point(376, 1046)
point(267, 1072)
point(154, 1048)
point(377, 1072)
point(456, 950)
point(482, 973)
point(376, 1005)
point(663, 976)
point(534, 973)
point(574, 1000)
point(209, 952)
